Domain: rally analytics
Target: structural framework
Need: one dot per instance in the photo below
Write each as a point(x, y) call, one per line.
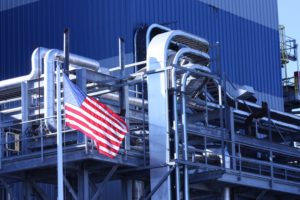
point(193, 134)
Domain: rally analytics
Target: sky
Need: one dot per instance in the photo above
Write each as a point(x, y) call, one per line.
point(289, 14)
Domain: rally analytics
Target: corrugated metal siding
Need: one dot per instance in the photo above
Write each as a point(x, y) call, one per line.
point(248, 37)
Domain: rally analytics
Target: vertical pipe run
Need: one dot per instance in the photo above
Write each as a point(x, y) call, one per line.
point(60, 194)
point(124, 105)
point(175, 127)
point(121, 64)
point(185, 137)
point(66, 49)
point(42, 141)
point(206, 109)
point(144, 119)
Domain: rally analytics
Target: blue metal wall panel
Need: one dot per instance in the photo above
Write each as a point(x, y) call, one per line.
point(248, 37)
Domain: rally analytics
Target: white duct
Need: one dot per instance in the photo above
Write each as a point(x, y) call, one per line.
point(49, 82)
point(36, 68)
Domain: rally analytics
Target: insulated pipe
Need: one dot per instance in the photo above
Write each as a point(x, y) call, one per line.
point(175, 127)
point(149, 30)
point(36, 67)
point(175, 61)
point(49, 66)
point(184, 126)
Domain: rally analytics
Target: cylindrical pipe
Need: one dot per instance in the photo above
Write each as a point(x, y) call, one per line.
point(36, 67)
point(175, 127)
point(149, 30)
point(185, 137)
point(138, 189)
point(121, 74)
point(226, 193)
point(175, 61)
point(66, 48)
point(49, 64)
point(60, 183)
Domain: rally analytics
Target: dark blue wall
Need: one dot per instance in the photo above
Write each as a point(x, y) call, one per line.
point(249, 48)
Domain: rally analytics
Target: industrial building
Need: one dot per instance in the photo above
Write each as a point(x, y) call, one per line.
point(198, 82)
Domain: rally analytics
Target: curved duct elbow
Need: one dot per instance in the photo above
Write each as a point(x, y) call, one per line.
point(36, 68)
point(49, 81)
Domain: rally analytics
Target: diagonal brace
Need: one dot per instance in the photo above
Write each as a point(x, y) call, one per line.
point(39, 190)
point(261, 195)
point(106, 179)
point(162, 180)
point(70, 188)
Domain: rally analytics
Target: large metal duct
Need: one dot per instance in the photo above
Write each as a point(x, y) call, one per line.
point(49, 82)
point(36, 69)
point(157, 56)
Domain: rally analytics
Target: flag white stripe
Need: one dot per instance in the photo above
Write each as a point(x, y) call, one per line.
point(120, 125)
point(106, 150)
point(123, 128)
point(91, 133)
point(96, 120)
point(103, 117)
point(95, 128)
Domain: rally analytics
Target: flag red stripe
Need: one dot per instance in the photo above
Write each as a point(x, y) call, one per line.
point(84, 122)
point(106, 139)
point(115, 116)
point(105, 153)
point(88, 131)
point(104, 110)
point(119, 133)
point(96, 123)
point(98, 142)
point(101, 111)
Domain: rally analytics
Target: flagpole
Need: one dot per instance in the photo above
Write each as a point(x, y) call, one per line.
point(60, 183)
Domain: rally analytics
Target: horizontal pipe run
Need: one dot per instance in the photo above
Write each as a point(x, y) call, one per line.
point(36, 69)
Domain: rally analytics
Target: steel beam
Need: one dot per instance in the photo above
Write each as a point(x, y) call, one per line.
point(261, 195)
point(39, 190)
point(70, 188)
point(83, 183)
point(160, 182)
point(127, 189)
point(102, 185)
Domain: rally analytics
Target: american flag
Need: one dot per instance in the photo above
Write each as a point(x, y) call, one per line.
point(94, 119)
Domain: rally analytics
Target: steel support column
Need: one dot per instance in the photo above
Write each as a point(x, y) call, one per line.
point(83, 183)
point(127, 189)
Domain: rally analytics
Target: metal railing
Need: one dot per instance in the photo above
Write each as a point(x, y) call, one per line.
point(242, 163)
